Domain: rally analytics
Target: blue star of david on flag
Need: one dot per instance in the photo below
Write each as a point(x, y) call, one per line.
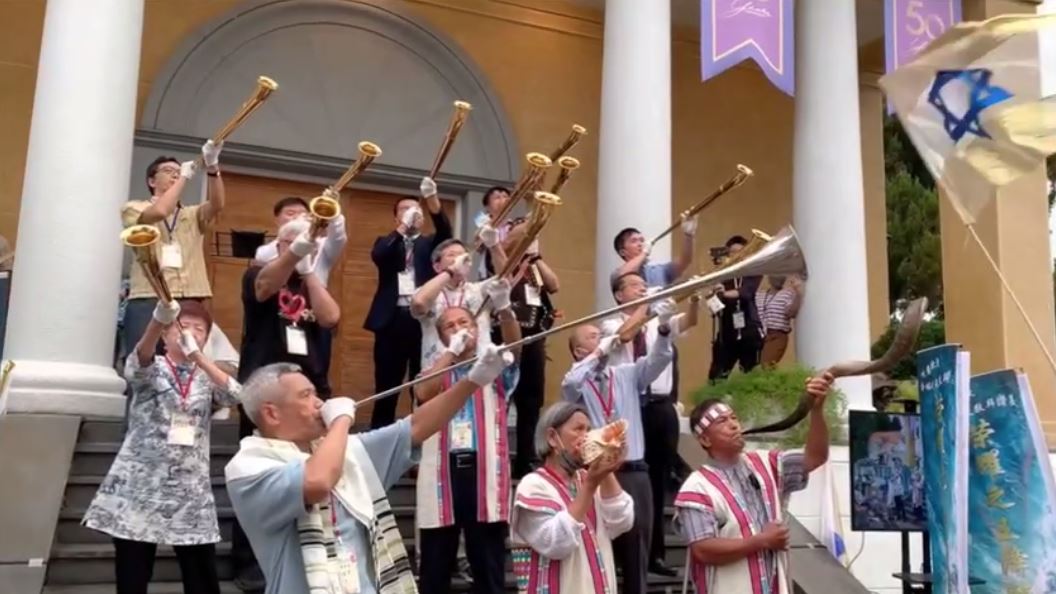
point(976, 91)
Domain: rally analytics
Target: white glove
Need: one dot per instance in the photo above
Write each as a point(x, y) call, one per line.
point(427, 187)
point(689, 226)
point(609, 344)
point(489, 235)
point(489, 366)
point(188, 344)
point(211, 153)
point(188, 169)
point(335, 408)
point(461, 266)
point(305, 266)
point(166, 313)
point(412, 217)
point(303, 245)
point(499, 292)
point(457, 344)
point(665, 310)
point(647, 248)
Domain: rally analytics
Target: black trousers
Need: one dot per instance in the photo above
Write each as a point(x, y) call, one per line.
point(727, 353)
point(660, 423)
point(134, 566)
point(631, 548)
point(485, 541)
point(397, 353)
point(529, 396)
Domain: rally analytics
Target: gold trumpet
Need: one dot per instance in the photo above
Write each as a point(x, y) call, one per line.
point(742, 175)
point(635, 323)
point(265, 87)
point(567, 165)
point(577, 133)
point(543, 205)
point(782, 255)
point(538, 163)
point(458, 118)
point(142, 239)
point(327, 206)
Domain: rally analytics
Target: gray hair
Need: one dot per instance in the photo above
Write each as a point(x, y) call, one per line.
point(263, 386)
point(553, 417)
point(438, 251)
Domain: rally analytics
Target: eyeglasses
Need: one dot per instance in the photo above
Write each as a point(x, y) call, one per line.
point(168, 170)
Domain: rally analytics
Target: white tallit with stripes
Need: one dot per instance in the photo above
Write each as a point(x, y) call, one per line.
point(362, 495)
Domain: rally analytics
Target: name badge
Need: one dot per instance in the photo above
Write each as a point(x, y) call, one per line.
point(405, 282)
point(532, 296)
point(715, 304)
point(344, 568)
point(181, 431)
point(461, 435)
point(171, 256)
point(296, 341)
point(738, 320)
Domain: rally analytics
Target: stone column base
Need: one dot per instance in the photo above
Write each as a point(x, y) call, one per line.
point(50, 387)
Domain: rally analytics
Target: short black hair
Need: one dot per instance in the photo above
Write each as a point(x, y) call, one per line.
point(492, 190)
point(156, 164)
point(617, 283)
point(621, 237)
point(289, 201)
point(396, 205)
point(736, 240)
point(699, 410)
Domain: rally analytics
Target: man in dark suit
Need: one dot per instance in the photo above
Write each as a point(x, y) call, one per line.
point(403, 261)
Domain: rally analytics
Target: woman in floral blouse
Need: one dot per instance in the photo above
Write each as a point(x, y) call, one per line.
point(158, 489)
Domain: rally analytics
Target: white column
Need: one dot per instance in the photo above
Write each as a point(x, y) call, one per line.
point(634, 157)
point(67, 270)
point(828, 209)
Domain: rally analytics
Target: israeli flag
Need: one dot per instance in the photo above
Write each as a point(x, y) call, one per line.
point(972, 104)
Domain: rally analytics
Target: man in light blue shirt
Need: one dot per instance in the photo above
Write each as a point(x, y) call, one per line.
point(304, 461)
point(633, 248)
point(611, 392)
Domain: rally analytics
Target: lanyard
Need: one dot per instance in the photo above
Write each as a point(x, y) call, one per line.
point(608, 408)
point(447, 302)
point(171, 228)
point(181, 388)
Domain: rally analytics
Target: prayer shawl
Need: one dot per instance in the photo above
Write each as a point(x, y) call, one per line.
point(359, 491)
point(435, 508)
point(707, 490)
point(588, 570)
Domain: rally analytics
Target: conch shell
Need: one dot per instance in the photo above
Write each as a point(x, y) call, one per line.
point(609, 438)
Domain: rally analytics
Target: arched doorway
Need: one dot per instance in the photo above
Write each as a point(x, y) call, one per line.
point(348, 71)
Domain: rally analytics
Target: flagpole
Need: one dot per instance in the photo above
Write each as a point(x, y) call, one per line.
point(1008, 289)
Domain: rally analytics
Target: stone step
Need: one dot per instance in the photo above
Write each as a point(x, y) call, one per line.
point(96, 458)
point(87, 569)
point(94, 430)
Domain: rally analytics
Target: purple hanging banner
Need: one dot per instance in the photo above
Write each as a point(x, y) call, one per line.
point(910, 25)
point(736, 30)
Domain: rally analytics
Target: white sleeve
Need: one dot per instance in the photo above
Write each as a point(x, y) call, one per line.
point(555, 536)
point(617, 513)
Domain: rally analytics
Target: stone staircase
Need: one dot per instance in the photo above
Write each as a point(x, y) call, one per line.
point(82, 560)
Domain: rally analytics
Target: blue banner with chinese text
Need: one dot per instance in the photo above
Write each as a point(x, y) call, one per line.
point(942, 376)
point(1012, 527)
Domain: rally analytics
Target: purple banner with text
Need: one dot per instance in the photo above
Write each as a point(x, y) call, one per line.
point(760, 30)
point(910, 25)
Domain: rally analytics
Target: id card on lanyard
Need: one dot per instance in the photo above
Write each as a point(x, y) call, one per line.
point(343, 564)
point(182, 427)
point(447, 300)
point(171, 254)
point(608, 404)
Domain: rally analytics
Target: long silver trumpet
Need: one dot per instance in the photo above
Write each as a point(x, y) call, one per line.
point(781, 255)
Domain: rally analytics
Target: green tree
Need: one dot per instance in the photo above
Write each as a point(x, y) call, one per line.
point(914, 248)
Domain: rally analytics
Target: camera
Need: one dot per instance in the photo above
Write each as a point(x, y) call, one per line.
point(718, 254)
